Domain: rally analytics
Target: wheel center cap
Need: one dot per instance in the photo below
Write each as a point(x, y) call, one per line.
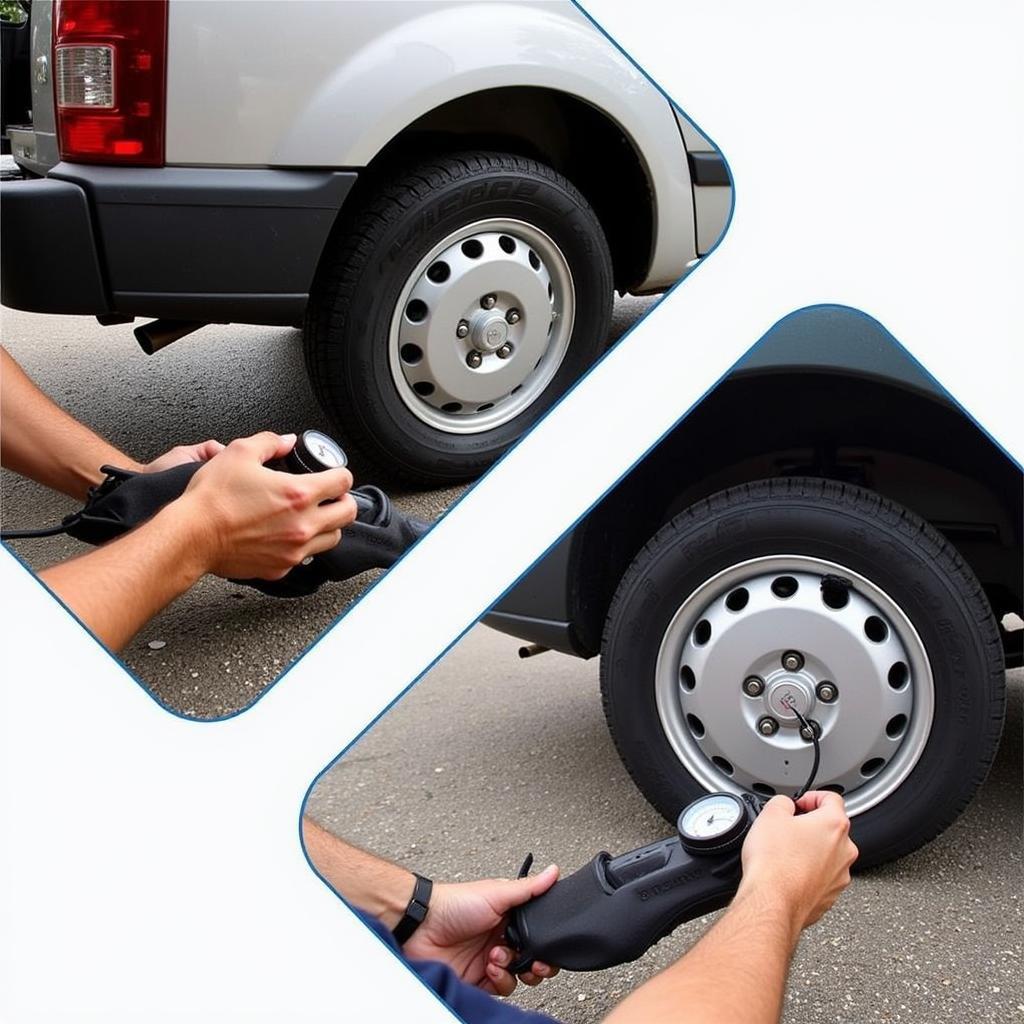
point(489, 331)
point(786, 693)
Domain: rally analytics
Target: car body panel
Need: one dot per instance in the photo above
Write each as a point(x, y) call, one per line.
point(340, 81)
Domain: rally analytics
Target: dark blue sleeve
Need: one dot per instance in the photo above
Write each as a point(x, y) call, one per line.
point(467, 1001)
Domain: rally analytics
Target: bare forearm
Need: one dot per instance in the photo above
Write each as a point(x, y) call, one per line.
point(41, 441)
point(736, 974)
point(117, 588)
point(375, 885)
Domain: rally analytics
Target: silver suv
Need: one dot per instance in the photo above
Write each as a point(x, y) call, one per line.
point(444, 196)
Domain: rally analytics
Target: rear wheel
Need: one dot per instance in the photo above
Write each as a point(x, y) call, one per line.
point(454, 307)
point(823, 597)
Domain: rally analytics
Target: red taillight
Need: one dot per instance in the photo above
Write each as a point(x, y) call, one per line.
point(110, 66)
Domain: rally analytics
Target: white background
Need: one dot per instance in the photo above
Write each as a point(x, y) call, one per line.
point(150, 866)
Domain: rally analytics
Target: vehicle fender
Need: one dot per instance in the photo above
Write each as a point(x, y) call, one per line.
point(254, 84)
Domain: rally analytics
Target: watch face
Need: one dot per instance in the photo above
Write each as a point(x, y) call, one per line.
point(324, 450)
point(710, 817)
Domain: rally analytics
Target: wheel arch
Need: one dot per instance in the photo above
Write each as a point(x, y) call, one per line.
point(575, 138)
point(909, 445)
point(412, 79)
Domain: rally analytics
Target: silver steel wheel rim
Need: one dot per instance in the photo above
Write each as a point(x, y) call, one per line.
point(463, 365)
point(712, 723)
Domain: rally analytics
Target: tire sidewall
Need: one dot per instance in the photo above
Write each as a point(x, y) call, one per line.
point(367, 371)
point(671, 570)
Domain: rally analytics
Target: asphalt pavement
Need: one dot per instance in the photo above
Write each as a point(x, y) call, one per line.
point(218, 647)
point(490, 757)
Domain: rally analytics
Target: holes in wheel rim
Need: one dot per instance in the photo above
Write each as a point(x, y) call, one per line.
point(439, 272)
point(473, 248)
point(485, 407)
point(687, 678)
point(834, 594)
point(872, 767)
point(763, 789)
point(696, 726)
point(507, 244)
point(834, 787)
point(722, 765)
point(737, 600)
point(518, 387)
point(534, 260)
point(411, 354)
point(416, 311)
point(784, 586)
point(875, 629)
point(451, 407)
point(702, 632)
point(551, 293)
point(896, 726)
point(423, 388)
point(898, 675)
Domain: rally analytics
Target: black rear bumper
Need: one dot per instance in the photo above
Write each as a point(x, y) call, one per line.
point(184, 243)
point(49, 261)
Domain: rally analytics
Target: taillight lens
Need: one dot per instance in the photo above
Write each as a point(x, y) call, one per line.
point(110, 60)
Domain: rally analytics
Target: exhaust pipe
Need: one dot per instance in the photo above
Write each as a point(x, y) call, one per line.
point(532, 650)
point(159, 334)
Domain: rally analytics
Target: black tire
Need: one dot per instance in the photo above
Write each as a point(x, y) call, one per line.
point(368, 261)
point(886, 544)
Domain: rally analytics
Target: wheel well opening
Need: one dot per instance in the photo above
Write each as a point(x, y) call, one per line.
point(564, 132)
point(908, 447)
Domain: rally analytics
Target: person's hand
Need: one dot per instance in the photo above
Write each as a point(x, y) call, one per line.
point(182, 453)
point(465, 926)
point(801, 860)
point(250, 521)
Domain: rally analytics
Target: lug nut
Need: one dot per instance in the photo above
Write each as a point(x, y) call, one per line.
point(505, 351)
point(806, 733)
point(767, 726)
point(463, 329)
point(753, 686)
point(489, 302)
point(513, 316)
point(792, 661)
point(474, 359)
point(827, 692)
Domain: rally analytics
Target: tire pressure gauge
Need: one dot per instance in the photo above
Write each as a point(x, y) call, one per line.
point(612, 909)
point(313, 453)
point(716, 823)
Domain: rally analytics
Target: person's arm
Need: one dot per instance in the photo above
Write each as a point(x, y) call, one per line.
point(372, 883)
point(236, 519)
point(38, 439)
point(465, 923)
point(794, 868)
point(41, 441)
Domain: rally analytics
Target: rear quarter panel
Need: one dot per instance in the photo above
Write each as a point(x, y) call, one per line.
point(330, 84)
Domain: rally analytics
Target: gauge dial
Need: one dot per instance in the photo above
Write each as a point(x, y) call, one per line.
point(714, 824)
point(711, 816)
point(323, 450)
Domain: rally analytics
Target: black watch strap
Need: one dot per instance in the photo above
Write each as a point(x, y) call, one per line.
point(415, 912)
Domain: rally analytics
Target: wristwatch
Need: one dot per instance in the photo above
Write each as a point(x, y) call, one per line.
point(415, 912)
